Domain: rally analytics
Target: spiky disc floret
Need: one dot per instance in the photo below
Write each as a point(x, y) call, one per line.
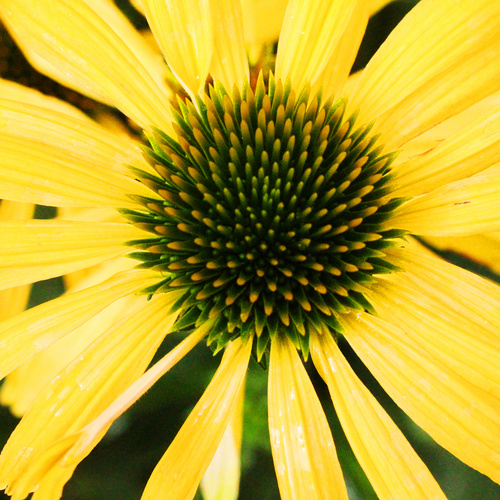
point(271, 214)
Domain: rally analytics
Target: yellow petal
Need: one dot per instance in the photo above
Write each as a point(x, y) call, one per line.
point(441, 59)
point(448, 128)
point(11, 210)
point(41, 249)
point(81, 392)
point(90, 43)
point(184, 31)
point(313, 35)
point(180, 470)
point(14, 300)
point(390, 463)
point(21, 386)
point(148, 54)
point(83, 441)
point(229, 62)
point(334, 77)
point(462, 208)
point(304, 454)
point(88, 214)
point(16, 92)
point(138, 5)
point(445, 328)
point(262, 22)
point(57, 159)
point(481, 248)
point(495, 169)
point(465, 153)
point(31, 331)
point(55, 465)
point(463, 291)
point(351, 83)
point(90, 276)
point(221, 480)
point(460, 417)
point(376, 5)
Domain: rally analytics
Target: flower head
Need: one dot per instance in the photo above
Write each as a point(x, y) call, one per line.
point(273, 214)
point(271, 207)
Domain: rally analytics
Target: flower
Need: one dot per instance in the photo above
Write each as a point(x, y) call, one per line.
point(270, 216)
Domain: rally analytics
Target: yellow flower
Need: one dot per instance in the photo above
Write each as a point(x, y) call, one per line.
point(269, 218)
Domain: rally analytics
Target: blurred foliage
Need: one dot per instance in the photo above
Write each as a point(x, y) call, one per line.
point(120, 465)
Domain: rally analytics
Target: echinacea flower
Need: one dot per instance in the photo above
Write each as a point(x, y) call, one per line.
point(269, 216)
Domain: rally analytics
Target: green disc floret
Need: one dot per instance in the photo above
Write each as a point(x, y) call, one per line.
point(270, 213)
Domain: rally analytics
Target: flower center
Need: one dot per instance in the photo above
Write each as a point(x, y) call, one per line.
point(271, 214)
